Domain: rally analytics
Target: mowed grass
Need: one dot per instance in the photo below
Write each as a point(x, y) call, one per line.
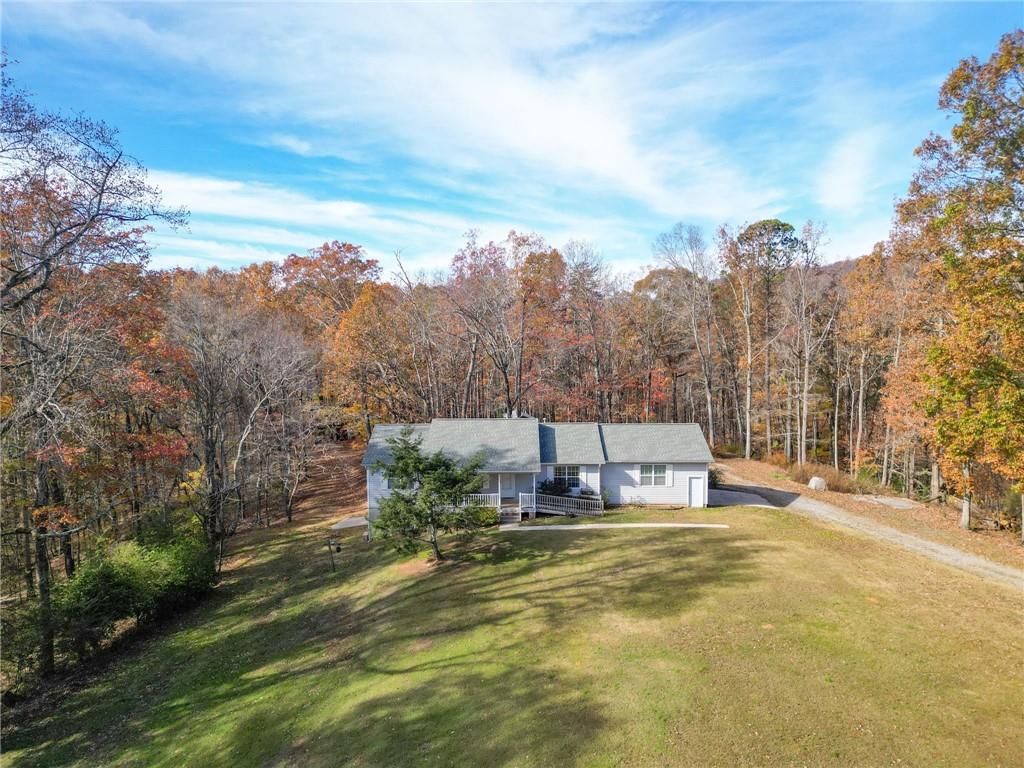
point(631, 514)
point(775, 642)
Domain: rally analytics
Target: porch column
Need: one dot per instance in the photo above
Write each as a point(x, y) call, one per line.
point(499, 490)
point(533, 509)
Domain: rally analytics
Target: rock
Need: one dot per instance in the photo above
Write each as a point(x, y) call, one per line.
point(817, 484)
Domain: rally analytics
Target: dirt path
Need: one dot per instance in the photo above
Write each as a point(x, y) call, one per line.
point(336, 486)
point(821, 510)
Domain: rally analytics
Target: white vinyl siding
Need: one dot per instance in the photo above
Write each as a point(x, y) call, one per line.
point(652, 474)
point(622, 483)
point(376, 489)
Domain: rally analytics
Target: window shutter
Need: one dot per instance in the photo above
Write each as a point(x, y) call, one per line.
point(636, 474)
point(668, 474)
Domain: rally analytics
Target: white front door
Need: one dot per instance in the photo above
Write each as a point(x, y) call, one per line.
point(508, 486)
point(696, 491)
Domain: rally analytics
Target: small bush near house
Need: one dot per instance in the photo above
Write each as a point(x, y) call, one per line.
point(715, 477)
point(487, 516)
point(551, 488)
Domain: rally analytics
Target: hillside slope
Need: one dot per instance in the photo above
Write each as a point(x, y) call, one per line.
point(775, 641)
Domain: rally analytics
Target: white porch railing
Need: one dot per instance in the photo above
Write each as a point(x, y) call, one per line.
point(484, 500)
point(527, 501)
point(568, 505)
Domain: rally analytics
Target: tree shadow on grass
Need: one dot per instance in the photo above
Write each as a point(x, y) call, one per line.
point(298, 665)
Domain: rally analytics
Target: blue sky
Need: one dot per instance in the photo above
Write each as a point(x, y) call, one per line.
point(400, 127)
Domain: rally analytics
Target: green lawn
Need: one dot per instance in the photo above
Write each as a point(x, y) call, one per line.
point(637, 515)
point(775, 642)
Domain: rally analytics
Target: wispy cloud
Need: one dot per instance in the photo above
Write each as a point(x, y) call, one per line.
point(849, 172)
point(401, 126)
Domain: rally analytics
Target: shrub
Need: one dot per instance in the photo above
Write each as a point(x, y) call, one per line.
point(777, 460)
point(836, 481)
point(129, 582)
point(189, 571)
point(800, 473)
point(19, 634)
point(551, 488)
point(715, 477)
point(728, 451)
point(486, 516)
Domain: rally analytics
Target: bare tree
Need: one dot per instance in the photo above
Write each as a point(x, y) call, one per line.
point(685, 249)
point(71, 197)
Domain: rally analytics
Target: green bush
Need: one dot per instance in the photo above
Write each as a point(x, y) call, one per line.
point(715, 477)
point(551, 488)
point(130, 581)
point(486, 516)
point(19, 636)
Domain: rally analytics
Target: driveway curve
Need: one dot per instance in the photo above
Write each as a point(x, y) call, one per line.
point(820, 510)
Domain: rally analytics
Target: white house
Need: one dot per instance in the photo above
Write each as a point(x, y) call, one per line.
point(624, 463)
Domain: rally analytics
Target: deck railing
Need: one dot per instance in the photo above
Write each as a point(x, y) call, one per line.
point(569, 505)
point(527, 501)
point(483, 499)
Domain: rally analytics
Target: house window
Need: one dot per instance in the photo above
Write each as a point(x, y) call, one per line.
point(652, 474)
point(393, 485)
point(567, 476)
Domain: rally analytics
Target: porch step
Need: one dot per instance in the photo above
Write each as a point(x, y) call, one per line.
point(511, 516)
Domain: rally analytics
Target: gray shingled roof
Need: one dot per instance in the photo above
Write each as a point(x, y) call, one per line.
point(377, 446)
point(508, 445)
point(654, 443)
point(522, 445)
point(567, 443)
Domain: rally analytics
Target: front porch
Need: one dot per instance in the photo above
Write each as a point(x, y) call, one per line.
point(514, 495)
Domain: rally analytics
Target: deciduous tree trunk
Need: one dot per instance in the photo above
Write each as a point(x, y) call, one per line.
point(45, 609)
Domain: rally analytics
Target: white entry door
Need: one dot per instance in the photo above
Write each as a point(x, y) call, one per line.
point(696, 491)
point(508, 486)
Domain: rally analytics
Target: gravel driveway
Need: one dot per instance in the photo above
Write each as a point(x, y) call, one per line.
point(820, 510)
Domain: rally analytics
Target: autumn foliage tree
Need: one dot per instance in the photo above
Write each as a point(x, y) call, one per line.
point(967, 204)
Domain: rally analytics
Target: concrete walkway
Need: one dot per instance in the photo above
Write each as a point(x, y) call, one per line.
point(349, 522)
point(820, 510)
point(604, 526)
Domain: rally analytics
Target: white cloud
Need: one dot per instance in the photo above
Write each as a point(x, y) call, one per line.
point(849, 172)
point(292, 144)
point(604, 122)
point(232, 220)
point(503, 90)
point(253, 200)
point(232, 224)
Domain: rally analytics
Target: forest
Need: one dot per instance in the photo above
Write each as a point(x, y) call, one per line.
point(149, 415)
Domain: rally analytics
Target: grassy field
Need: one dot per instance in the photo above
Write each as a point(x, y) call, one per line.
point(775, 642)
